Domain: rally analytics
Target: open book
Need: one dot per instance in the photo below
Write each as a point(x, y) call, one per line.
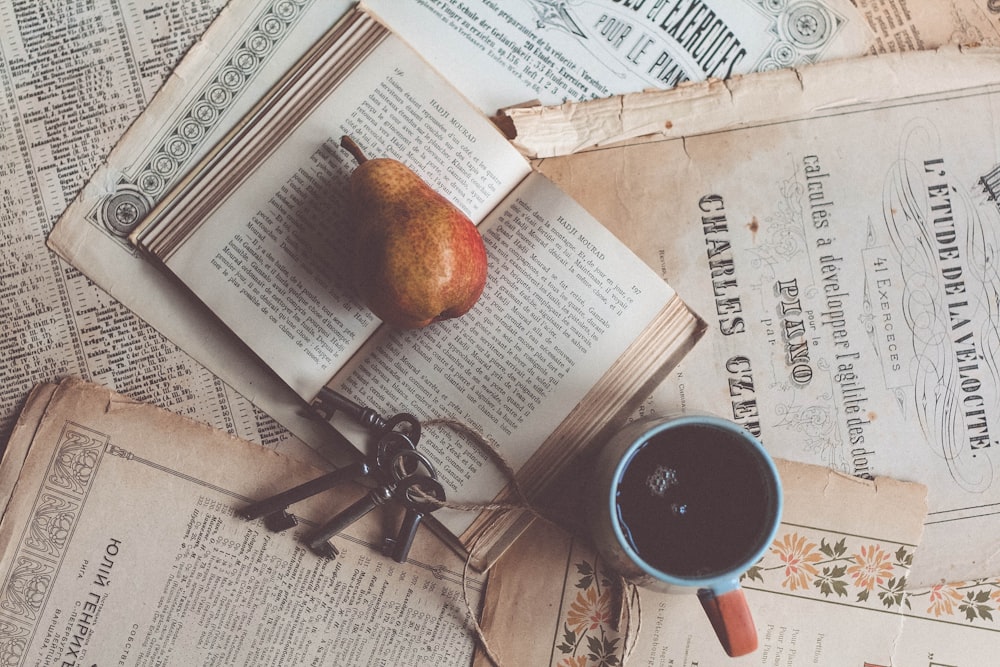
point(572, 329)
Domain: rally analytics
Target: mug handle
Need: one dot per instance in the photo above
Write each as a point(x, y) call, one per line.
point(730, 616)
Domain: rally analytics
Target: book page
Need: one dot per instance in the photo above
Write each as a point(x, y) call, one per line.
point(121, 546)
point(564, 301)
point(273, 260)
point(513, 52)
point(830, 591)
point(845, 263)
point(243, 53)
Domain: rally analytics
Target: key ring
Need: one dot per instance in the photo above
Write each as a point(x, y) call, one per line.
point(399, 471)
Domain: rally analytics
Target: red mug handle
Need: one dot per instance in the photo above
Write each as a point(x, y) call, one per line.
point(731, 619)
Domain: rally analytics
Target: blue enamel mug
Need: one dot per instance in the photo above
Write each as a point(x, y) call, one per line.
point(688, 502)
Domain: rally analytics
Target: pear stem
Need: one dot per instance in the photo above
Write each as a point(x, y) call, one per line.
point(348, 144)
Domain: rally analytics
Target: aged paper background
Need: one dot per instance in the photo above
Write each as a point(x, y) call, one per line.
point(236, 61)
point(73, 78)
point(120, 544)
point(828, 592)
point(845, 260)
point(72, 82)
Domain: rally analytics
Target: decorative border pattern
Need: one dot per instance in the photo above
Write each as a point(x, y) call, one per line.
point(588, 635)
point(803, 28)
point(869, 574)
point(802, 562)
point(135, 196)
point(26, 585)
point(810, 564)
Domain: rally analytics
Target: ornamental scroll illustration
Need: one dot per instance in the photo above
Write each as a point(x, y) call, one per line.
point(779, 239)
point(43, 543)
point(135, 194)
point(667, 43)
point(947, 244)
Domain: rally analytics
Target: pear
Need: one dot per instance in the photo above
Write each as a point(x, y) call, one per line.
point(418, 258)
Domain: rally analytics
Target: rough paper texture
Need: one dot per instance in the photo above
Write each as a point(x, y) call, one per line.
point(743, 101)
point(829, 591)
point(843, 259)
point(120, 546)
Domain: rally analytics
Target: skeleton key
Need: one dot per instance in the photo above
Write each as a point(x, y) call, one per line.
point(402, 466)
point(273, 508)
point(329, 401)
point(417, 506)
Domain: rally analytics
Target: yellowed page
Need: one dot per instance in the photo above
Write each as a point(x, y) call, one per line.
point(742, 101)
point(908, 25)
point(120, 546)
point(844, 261)
point(829, 591)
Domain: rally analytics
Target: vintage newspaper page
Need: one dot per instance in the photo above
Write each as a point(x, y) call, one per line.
point(73, 77)
point(550, 51)
point(846, 262)
point(909, 25)
point(830, 591)
point(120, 546)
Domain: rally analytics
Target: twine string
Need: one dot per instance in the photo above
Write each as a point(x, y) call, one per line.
point(627, 603)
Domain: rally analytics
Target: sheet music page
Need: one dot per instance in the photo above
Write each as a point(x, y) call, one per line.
point(553, 52)
point(73, 78)
point(845, 260)
point(897, 26)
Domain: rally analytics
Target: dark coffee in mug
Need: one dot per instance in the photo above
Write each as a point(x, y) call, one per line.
point(695, 500)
